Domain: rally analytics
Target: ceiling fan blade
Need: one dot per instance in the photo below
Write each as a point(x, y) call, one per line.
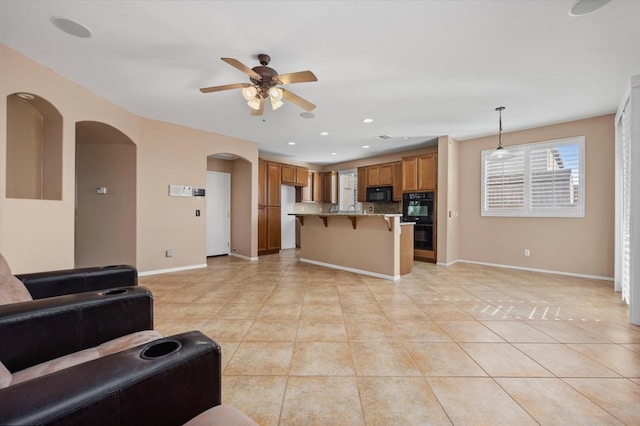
point(242, 67)
point(301, 102)
point(258, 111)
point(297, 77)
point(221, 88)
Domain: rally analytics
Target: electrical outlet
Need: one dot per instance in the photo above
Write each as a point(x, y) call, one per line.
point(527, 252)
point(169, 253)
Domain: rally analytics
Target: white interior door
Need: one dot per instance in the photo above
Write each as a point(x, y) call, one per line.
point(218, 195)
point(287, 223)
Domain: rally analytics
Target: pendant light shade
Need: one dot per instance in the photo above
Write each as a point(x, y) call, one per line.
point(501, 153)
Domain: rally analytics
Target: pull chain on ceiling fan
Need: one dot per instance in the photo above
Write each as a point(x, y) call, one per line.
point(264, 82)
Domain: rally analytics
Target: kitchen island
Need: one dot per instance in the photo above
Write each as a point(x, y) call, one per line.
point(367, 244)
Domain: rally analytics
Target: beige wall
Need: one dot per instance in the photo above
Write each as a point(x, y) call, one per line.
point(106, 223)
point(37, 235)
point(219, 165)
point(569, 245)
point(241, 208)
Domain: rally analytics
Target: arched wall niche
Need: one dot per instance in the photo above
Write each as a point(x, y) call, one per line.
point(240, 170)
point(34, 148)
point(105, 221)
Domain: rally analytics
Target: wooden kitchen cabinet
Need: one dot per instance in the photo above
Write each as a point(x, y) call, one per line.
point(262, 229)
point(302, 176)
point(397, 181)
point(273, 230)
point(262, 182)
point(273, 184)
point(409, 176)
point(329, 187)
point(269, 179)
point(316, 181)
point(427, 172)
point(294, 175)
point(373, 176)
point(288, 176)
point(385, 174)
point(362, 184)
point(420, 172)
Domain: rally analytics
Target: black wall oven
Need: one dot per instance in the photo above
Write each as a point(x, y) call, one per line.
point(419, 207)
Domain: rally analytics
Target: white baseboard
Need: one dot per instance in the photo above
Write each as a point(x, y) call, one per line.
point(357, 271)
point(546, 271)
point(165, 271)
point(243, 257)
point(447, 264)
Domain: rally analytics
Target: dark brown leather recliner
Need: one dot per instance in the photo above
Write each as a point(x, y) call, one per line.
point(165, 381)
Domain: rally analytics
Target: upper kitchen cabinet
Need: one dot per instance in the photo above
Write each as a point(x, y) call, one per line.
point(362, 184)
point(329, 187)
point(397, 181)
point(288, 174)
point(302, 176)
point(419, 172)
point(294, 175)
point(373, 176)
point(385, 173)
point(273, 184)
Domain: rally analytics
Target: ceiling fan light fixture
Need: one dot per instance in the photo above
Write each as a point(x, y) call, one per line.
point(249, 93)
point(277, 104)
point(254, 104)
point(275, 94)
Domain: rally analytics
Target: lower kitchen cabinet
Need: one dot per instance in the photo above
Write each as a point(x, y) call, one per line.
point(269, 230)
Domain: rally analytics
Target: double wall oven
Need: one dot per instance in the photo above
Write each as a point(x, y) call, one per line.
point(419, 207)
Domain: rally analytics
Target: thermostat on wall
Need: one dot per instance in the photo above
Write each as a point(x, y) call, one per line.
point(180, 191)
point(198, 192)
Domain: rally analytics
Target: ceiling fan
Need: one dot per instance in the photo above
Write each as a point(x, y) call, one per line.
point(264, 82)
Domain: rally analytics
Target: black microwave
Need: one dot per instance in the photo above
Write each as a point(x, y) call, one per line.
point(379, 193)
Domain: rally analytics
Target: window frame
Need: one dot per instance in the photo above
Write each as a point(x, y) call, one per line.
point(527, 210)
point(356, 204)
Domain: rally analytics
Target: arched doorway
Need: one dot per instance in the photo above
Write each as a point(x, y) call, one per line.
point(105, 225)
point(239, 170)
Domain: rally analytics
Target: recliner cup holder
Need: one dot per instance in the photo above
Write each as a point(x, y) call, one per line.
point(160, 349)
point(115, 291)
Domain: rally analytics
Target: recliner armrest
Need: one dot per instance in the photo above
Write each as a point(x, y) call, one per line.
point(124, 388)
point(40, 330)
point(70, 281)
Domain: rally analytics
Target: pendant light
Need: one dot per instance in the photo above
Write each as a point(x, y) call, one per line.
point(501, 153)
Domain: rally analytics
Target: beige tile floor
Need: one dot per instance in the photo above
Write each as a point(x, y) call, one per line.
point(465, 344)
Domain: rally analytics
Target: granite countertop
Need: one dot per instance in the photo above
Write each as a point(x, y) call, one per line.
point(359, 214)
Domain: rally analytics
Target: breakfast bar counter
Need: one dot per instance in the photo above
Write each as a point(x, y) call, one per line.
point(368, 244)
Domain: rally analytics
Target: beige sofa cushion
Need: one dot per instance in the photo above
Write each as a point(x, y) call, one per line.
point(121, 343)
point(11, 289)
point(222, 415)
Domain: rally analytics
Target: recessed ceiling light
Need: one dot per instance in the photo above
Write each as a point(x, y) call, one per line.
point(367, 120)
point(334, 153)
point(307, 115)
point(291, 143)
point(324, 133)
point(366, 146)
point(71, 27)
point(23, 95)
point(406, 138)
point(584, 7)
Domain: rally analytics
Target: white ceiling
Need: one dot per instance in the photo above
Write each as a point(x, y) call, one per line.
point(420, 69)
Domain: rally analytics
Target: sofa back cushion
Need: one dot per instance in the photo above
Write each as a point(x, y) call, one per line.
point(11, 289)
